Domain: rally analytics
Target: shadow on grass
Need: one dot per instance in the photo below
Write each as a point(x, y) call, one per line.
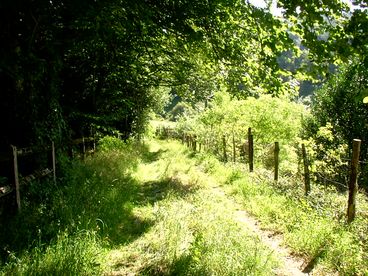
point(151, 156)
point(129, 227)
point(153, 191)
point(98, 195)
point(186, 264)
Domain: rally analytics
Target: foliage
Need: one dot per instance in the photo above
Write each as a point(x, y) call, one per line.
point(338, 116)
point(271, 119)
point(109, 143)
point(68, 66)
point(330, 29)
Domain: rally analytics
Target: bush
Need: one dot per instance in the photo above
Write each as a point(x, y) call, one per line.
point(271, 119)
point(109, 143)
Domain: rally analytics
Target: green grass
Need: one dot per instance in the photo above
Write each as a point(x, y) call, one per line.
point(314, 227)
point(68, 255)
point(158, 209)
point(194, 233)
point(135, 208)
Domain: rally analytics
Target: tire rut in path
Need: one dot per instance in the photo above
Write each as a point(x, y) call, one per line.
point(290, 265)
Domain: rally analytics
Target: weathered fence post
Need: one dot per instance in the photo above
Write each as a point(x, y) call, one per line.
point(353, 184)
point(224, 145)
point(53, 161)
point(234, 150)
point(250, 149)
point(306, 171)
point(276, 158)
point(194, 143)
point(84, 148)
point(16, 177)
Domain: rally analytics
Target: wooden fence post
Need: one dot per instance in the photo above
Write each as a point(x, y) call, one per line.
point(276, 158)
point(84, 148)
point(353, 184)
point(306, 171)
point(224, 145)
point(194, 143)
point(53, 161)
point(234, 150)
point(250, 149)
point(16, 177)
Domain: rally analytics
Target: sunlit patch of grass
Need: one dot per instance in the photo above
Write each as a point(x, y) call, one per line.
point(93, 206)
point(149, 209)
point(196, 236)
point(79, 254)
point(313, 226)
point(194, 233)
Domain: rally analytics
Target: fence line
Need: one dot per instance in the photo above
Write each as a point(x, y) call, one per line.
point(353, 188)
point(19, 153)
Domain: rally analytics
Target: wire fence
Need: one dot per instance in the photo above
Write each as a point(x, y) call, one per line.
point(22, 175)
point(271, 152)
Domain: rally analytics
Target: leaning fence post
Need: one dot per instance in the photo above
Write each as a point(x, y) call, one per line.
point(250, 149)
point(16, 177)
point(276, 158)
point(353, 184)
point(53, 161)
point(306, 171)
point(224, 145)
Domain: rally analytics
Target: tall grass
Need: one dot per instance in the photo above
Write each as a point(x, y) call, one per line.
point(313, 226)
point(130, 209)
point(195, 232)
point(149, 210)
point(64, 229)
point(79, 254)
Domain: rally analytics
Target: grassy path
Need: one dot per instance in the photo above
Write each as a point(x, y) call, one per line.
point(198, 228)
point(158, 209)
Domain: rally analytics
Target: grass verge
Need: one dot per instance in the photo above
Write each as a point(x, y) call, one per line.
point(130, 209)
point(312, 226)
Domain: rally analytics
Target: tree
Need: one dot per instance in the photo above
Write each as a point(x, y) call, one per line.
point(67, 65)
point(339, 116)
